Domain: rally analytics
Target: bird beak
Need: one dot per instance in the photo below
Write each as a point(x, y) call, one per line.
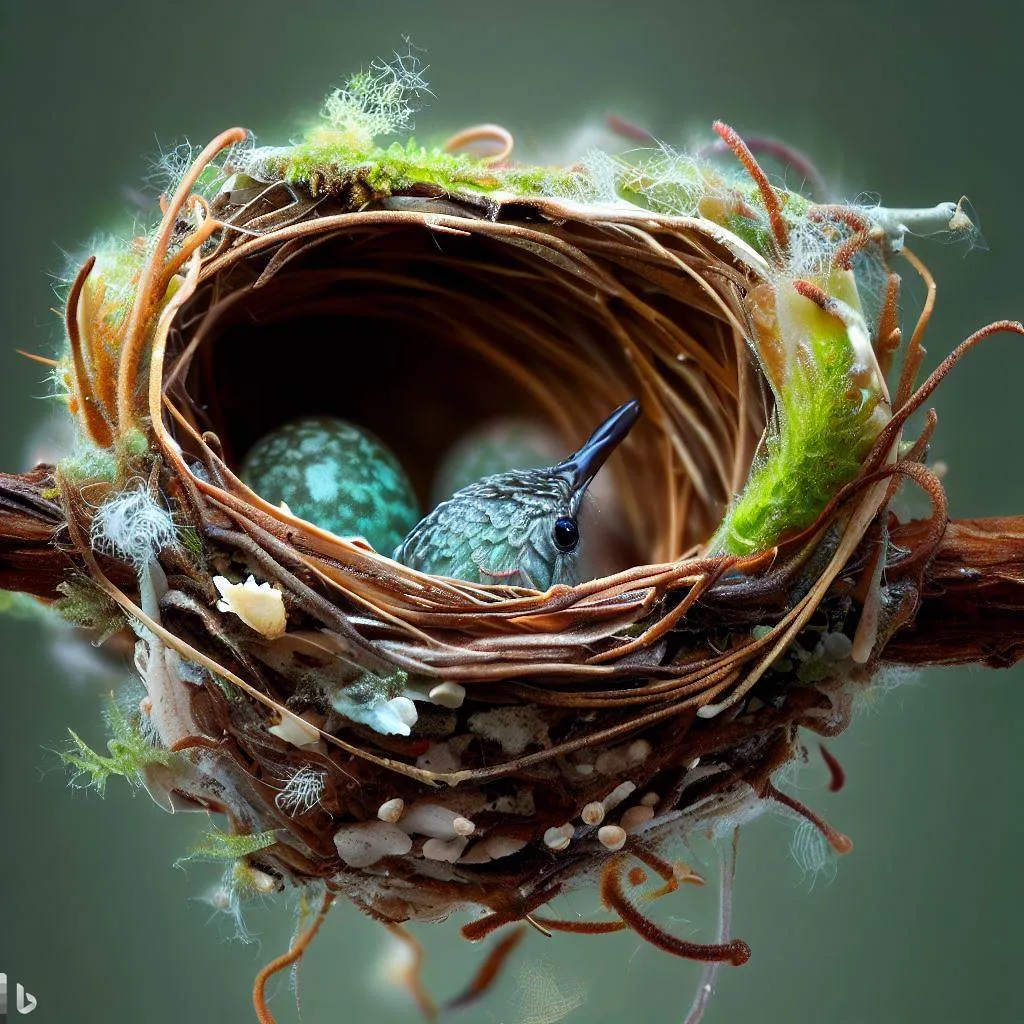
point(581, 467)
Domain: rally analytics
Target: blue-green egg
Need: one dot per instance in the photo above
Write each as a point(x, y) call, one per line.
point(495, 446)
point(336, 475)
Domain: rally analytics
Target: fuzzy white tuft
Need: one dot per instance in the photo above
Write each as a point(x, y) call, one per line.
point(134, 527)
point(302, 791)
point(377, 101)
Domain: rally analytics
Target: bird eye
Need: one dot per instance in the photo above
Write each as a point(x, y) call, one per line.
point(566, 533)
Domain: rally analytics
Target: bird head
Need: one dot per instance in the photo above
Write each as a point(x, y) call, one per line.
point(521, 527)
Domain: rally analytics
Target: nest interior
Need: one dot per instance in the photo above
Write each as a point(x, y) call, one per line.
point(419, 333)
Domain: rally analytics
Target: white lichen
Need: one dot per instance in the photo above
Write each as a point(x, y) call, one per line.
point(394, 717)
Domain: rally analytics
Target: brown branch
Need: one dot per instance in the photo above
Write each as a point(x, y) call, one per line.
point(972, 601)
point(970, 610)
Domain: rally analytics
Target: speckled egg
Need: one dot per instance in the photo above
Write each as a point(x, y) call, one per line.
point(336, 475)
point(496, 446)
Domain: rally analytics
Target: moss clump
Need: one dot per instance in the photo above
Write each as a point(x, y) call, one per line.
point(129, 752)
point(219, 845)
point(88, 464)
point(84, 604)
point(824, 427)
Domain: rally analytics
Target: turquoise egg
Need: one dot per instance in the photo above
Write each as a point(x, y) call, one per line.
point(495, 446)
point(337, 476)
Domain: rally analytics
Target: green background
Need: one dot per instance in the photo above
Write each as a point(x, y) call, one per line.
point(916, 101)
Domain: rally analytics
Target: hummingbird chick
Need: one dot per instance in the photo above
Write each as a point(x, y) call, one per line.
point(520, 527)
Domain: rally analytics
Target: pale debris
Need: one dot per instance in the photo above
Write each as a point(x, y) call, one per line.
point(559, 836)
point(367, 842)
point(514, 728)
point(612, 837)
point(448, 695)
point(298, 730)
point(259, 606)
point(391, 810)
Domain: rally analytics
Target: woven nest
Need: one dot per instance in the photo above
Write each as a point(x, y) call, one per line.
point(595, 726)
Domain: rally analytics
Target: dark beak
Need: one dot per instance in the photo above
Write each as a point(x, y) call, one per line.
point(582, 466)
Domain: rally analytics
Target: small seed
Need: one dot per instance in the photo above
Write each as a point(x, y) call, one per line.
point(593, 813)
point(618, 794)
point(448, 695)
point(391, 810)
point(558, 837)
point(612, 837)
point(636, 816)
point(261, 881)
point(639, 750)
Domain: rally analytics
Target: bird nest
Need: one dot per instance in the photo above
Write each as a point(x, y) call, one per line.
point(561, 738)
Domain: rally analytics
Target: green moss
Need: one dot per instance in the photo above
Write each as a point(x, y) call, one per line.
point(90, 463)
point(133, 443)
point(822, 433)
point(219, 846)
point(327, 162)
point(129, 751)
point(84, 604)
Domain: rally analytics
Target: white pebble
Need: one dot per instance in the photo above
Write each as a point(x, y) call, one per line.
point(448, 695)
point(503, 846)
point(612, 837)
point(639, 750)
point(427, 819)
point(296, 730)
point(559, 836)
point(391, 810)
point(636, 816)
point(450, 850)
point(463, 826)
point(618, 794)
point(593, 813)
point(364, 844)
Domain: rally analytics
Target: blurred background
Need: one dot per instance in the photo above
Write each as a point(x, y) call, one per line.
point(914, 101)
